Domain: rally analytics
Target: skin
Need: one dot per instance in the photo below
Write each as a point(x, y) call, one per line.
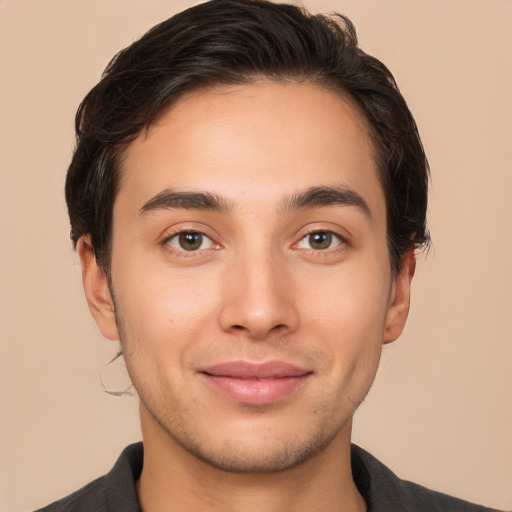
point(258, 289)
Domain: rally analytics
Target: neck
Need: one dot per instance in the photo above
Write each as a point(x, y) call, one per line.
point(173, 479)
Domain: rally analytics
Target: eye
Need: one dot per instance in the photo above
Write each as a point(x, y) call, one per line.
point(320, 241)
point(190, 241)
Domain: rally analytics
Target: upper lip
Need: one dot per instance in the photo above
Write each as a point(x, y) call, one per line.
point(246, 370)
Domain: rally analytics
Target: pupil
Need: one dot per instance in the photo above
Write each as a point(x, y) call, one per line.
point(320, 240)
point(191, 241)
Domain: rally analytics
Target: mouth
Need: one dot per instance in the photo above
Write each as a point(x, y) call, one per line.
point(256, 384)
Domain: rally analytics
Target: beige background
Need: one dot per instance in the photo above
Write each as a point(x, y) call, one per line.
point(440, 412)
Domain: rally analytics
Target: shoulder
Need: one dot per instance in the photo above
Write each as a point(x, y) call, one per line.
point(90, 497)
point(420, 498)
point(113, 491)
point(385, 492)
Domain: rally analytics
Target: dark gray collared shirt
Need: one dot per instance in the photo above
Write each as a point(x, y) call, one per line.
point(382, 490)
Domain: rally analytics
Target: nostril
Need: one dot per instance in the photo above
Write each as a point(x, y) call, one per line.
point(240, 328)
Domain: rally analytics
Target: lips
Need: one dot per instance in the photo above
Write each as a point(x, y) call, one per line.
point(256, 384)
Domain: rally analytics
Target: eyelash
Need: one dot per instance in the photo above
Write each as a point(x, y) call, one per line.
point(184, 232)
point(341, 242)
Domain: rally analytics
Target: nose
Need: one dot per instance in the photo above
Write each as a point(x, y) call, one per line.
point(258, 299)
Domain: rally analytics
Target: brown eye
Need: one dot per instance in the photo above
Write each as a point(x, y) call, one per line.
point(320, 241)
point(190, 241)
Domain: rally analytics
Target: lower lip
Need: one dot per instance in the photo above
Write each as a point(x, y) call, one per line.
point(256, 392)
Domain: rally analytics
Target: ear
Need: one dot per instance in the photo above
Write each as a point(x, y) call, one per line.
point(96, 290)
point(399, 300)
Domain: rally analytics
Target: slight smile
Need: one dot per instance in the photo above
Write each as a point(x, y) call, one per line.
point(256, 384)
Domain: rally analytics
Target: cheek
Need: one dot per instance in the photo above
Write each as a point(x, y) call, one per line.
point(347, 309)
point(162, 324)
point(353, 298)
point(164, 312)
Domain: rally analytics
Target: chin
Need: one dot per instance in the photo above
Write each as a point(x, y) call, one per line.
point(260, 448)
point(241, 458)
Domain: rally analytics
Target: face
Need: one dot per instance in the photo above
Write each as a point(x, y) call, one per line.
point(250, 273)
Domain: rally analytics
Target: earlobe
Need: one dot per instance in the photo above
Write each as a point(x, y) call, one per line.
point(96, 290)
point(398, 310)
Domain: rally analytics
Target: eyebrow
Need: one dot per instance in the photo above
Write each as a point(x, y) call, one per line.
point(319, 197)
point(169, 199)
point(314, 197)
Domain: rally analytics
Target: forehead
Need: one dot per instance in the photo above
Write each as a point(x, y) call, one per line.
point(248, 141)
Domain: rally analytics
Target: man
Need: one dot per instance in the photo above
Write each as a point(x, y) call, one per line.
point(246, 198)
